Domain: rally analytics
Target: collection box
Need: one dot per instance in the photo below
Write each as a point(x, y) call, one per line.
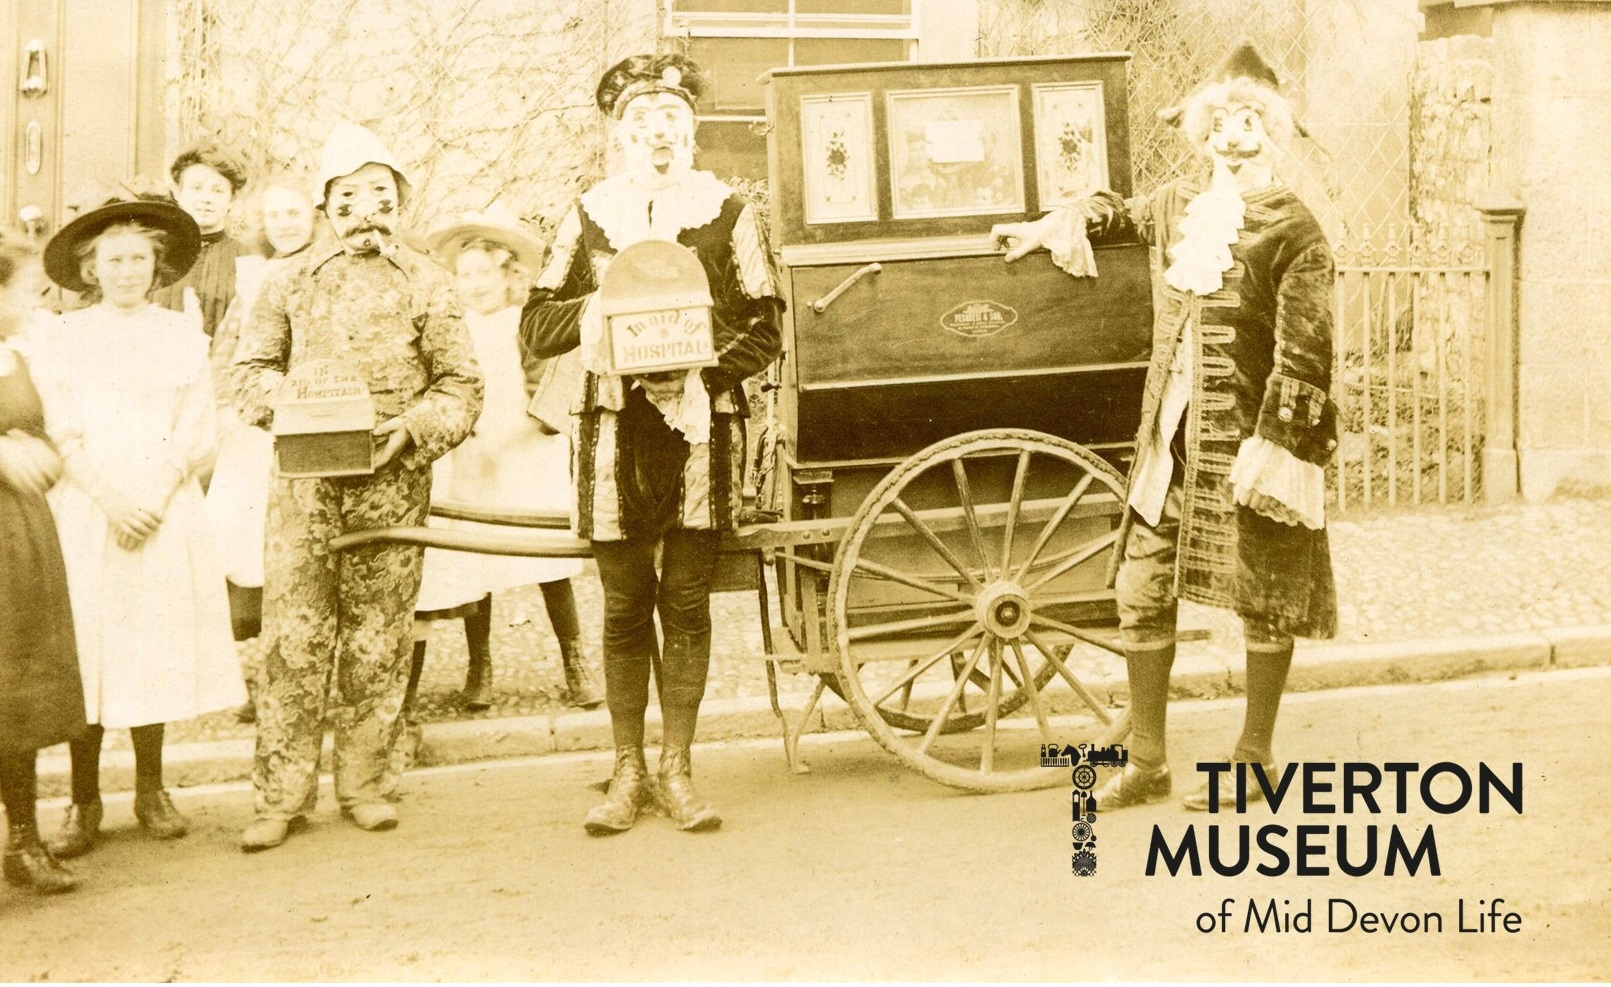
point(324, 418)
point(655, 300)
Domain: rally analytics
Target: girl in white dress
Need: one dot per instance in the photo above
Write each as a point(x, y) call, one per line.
point(129, 402)
point(508, 461)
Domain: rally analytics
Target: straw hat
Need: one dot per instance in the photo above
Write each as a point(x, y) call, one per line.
point(128, 203)
point(449, 238)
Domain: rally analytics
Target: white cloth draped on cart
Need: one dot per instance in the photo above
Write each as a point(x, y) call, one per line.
point(506, 462)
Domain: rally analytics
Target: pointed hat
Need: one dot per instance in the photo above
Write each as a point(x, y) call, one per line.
point(1243, 61)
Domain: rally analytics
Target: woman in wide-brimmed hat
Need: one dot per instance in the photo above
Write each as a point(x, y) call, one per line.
point(507, 461)
point(128, 400)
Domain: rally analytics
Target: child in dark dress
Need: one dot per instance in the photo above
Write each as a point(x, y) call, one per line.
point(41, 694)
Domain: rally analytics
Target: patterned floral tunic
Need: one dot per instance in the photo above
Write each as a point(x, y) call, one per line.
point(395, 320)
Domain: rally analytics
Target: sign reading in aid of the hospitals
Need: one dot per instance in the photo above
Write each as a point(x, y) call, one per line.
point(656, 305)
point(323, 419)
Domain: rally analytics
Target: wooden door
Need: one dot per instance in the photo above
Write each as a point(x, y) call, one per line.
point(82, 101)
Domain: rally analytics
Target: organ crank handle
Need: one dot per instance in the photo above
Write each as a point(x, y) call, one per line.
point(820, 305)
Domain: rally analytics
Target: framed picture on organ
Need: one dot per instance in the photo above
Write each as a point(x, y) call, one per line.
point(1071, 141)
point(836, 137)
point(955, 152)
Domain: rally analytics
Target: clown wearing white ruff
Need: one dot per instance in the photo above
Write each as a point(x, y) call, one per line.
point(1227, 493)
point(658, 458)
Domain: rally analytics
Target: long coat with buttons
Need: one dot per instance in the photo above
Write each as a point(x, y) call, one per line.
point(1262, 365)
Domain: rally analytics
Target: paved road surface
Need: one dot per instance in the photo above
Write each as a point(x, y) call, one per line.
point(859, 870)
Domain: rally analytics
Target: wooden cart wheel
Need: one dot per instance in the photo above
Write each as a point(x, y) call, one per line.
point(957, 587)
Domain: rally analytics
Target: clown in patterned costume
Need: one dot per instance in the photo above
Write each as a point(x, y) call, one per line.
point(1227, 493)
point(390, 313)
point(658, 459)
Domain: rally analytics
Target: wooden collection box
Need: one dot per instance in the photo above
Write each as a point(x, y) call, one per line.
point(323, 422)
point(655, 299)
point(905, 325)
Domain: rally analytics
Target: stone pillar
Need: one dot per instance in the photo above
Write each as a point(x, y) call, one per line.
point(1551, 121)
point(1500, 472)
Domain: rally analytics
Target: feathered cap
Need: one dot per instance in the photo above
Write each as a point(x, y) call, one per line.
point(1243, 61)
point(639, 75)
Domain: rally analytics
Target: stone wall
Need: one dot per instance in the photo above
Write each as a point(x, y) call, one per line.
point(1552, 151)
point(1451, 160)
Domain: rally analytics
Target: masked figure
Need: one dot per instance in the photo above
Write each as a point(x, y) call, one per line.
point(658, 460)
point(358, 296)
point(1227, 493)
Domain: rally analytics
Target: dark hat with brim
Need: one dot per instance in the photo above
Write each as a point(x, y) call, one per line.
point(184, 239)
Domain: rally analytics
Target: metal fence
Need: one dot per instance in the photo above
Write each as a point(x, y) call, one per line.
point(1411, 337)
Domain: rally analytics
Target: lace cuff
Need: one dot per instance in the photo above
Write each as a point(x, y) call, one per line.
point(1269, 469)
point(1068, 243)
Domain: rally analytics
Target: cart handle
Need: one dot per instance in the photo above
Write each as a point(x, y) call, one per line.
point(821, 305)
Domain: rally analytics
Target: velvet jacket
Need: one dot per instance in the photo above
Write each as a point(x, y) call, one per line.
point(1262, 365)
point(612, 457)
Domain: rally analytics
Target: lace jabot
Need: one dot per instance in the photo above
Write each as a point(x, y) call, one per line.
point(628, 212)
point(1198, 262)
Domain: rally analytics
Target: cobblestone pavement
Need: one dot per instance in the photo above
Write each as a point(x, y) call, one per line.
point(1401, 577)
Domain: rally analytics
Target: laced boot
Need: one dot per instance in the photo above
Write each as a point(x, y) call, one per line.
point(478, 641)
point(675, 791)
point(581, 689)
point(29, 865)
point(158, 817)
point(628, 793)
point(79, 829)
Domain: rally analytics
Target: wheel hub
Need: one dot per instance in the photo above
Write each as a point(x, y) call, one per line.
point(1003, 608)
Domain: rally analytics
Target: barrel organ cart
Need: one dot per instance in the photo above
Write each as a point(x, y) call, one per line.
point(937, 491)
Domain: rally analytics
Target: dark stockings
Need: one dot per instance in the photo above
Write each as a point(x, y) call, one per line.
point(18, 790)
point(478, 630)
point(86, 761)
point(1149, 703)
point(1266, 680)
point(560, 600)
point(626, 690)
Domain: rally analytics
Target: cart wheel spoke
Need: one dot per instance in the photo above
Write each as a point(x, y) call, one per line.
point(1074, 683)
point(940, 547)
point(1034, 694)
point(950, 702)
point(867, 567)
point(1053, 523)
point(917, 667)
point(1106, 642)
point(1080, 554)
point(987, 757)
point(895, 627)
point(1020, 473)
point(959, 472)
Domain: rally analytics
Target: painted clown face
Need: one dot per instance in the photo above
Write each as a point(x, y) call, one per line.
point(362, 208)
point(656, 132)
point(1241, 149)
